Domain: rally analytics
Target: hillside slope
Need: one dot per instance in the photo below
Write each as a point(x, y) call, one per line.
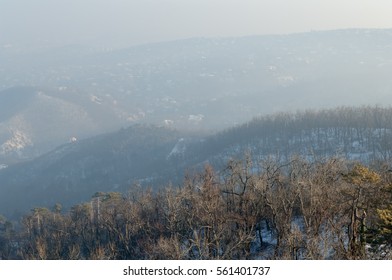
point(155, 156)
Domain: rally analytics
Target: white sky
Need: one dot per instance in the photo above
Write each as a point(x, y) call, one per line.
point(121, 23)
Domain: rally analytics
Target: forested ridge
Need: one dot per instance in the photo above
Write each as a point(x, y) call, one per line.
point(299, 209)
point(363, 133)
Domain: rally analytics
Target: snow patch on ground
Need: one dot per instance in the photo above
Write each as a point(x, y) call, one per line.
point(178, 149)
point(18, 141)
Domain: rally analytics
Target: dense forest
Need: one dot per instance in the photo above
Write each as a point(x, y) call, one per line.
point(329, 208)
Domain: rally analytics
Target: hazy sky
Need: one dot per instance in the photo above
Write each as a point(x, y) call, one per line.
point(120, 23)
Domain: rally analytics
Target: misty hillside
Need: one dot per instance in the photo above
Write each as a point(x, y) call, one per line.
point(195, 84)
point(70, 172)
point(154, 156)
point(36, 120)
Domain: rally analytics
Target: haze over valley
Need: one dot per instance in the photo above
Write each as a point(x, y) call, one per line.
point(202, 85)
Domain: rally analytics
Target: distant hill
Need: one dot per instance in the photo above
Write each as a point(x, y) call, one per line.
point(35, 120)
point(156, 156)
point(197, 84)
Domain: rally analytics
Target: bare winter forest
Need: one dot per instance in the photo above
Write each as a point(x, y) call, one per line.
point(325, 209)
